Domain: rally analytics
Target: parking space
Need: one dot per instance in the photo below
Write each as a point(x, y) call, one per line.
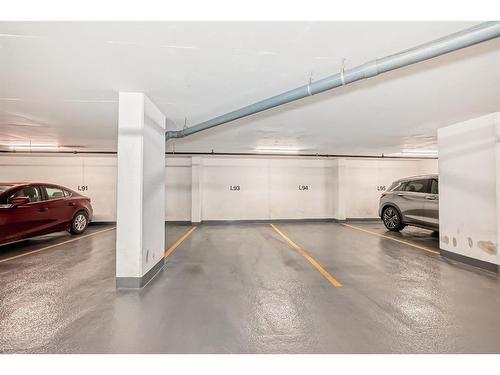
point(34, 245)
point(424, 238)
point(244, 288)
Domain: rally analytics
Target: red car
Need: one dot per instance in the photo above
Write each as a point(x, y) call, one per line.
point(32, 209)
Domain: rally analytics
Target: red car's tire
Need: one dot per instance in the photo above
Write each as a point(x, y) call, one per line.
point(79, 223)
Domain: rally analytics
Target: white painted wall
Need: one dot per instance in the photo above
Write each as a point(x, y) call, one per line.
point(221, 203)
point(469, 188)
point(269, 189)
point(288, 201)
point(98, 173)
point(198, 187)
point(178, 189)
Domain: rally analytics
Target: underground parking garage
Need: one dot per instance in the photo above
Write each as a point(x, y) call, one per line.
point(340, 205)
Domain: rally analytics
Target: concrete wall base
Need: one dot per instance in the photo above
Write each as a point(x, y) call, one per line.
point(471, 261)
point(139, 282)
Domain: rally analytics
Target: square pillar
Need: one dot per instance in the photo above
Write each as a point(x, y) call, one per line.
point(196, 186)
point(469, 191)
point(339, 184)
point(140, 228)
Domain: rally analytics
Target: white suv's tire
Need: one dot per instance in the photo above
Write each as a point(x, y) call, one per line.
point(392, 219)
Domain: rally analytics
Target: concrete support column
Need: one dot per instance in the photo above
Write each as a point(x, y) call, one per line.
point(469, 191)
point(196, 186)
point(339, 191)
point(140, 232)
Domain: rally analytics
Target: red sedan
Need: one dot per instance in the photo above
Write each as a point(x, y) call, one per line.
point(32, 209)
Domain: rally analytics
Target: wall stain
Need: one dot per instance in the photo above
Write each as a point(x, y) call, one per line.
point(470, 242)
point(445, 239)
point(454, 242)
point(488, 246)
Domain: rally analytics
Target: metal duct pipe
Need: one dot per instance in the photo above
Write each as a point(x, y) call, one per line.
point(466, 38)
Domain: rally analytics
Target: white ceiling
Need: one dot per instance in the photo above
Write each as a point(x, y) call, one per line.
point(59, 83)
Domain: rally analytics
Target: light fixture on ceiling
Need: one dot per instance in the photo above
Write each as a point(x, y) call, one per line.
point(174, 46)
point(416, 153)
point(127, 43)
point(31, 146)
point(120, 42)
point(90, 100)
point(19, 36)
point(266, 53)
point(24, 124)
point(277, 149)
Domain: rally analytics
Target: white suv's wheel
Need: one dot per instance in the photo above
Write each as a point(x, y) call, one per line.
point(392, 219)
point(79, 223)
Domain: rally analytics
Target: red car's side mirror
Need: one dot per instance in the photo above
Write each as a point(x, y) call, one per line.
point(19, 201)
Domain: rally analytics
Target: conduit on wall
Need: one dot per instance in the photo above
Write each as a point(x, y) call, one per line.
point(462, 39)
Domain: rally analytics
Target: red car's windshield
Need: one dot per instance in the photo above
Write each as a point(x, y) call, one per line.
point(4, 188)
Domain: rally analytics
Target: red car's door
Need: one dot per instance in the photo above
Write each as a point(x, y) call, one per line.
point(23, 221)
point(60, 209)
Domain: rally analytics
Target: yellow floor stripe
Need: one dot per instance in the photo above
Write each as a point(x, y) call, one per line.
point(311, 260)
point(393, 239)
point(55, 245)
point(172, 248)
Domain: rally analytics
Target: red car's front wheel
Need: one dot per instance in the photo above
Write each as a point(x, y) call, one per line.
point(79, 223)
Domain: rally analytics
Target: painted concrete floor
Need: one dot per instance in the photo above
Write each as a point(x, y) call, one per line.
point(241, 288)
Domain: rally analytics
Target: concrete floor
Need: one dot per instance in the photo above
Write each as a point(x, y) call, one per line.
point(241, 288)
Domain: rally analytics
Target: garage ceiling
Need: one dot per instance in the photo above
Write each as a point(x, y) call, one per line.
point(59, 84)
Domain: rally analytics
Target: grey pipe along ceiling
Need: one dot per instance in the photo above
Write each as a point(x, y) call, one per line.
point(477, 34)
